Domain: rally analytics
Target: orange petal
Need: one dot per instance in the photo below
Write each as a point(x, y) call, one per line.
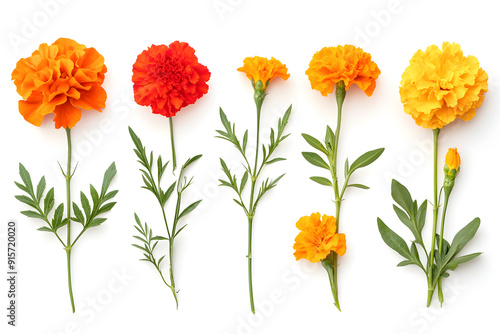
point(29, 109)
point(94, 98)
point(66, 115)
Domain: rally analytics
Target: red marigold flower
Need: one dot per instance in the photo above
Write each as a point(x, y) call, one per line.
point(168, 78)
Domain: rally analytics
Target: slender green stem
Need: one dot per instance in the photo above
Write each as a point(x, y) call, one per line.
point(172, 282)
point(435, 212)
point(252, 207)
point(443, 216)
point(68, 209)
point(329, 263)
point(174, 161)
point(249, 256)
point(340, 95)
point(447, 192)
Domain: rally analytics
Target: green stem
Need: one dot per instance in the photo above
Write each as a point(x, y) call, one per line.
point(340, 95)
point(330, 265)
point(68, 209)
point(447, 192)
point(435, 211)
point(258, 102)
point(174, 161)
point(172, 282)
point(249, 256)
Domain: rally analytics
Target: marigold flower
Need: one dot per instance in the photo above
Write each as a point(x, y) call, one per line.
point(263, 70)
point(345, 63)
point(440, 86)
point(61, 78)
point(318, 237)
point(168, 78)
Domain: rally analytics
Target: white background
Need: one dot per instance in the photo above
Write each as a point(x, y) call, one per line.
point(376, 296)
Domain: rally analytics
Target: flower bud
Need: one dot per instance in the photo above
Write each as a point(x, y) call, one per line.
point(451, 168)
point(452, 159)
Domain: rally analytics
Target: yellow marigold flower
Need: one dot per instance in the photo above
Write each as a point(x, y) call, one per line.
point(263, 70)
point(345, 63)
point(452, 159)
point(318, 237)
point(440, 86)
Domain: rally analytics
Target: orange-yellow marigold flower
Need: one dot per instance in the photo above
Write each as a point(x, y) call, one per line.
point(61, 78)
point(345, 63)
point(318, 237)
point(452, 159)
point(263, 69)
point(440, 86)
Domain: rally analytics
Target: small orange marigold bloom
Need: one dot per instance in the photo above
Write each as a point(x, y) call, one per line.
point(345, 63)
point(452, 159)
point(61, 78)
point(264, 70)
point(440, 86)
point(318, 237)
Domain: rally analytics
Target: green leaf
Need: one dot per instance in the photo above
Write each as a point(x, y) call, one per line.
point(274, 160)
point(40, 189)
point(135, 139)
point(170, 190)
point(22, 187)
point(140, 247)
point(44, 229)
point(224, 120)
point(402, 196)
point(189, 208)
point(321, 180)
point(315, 160)
point(403, 217)
point(239, 203)
point(191, 160)
point(314, 143)
point(453, 264)
point(245, 140)
point(404, 263)
point(85, 204)
point(32, 214)
point(26, 200)
point(244, 179)
point(108, 177)
point(48, 202)
point(109, 195)
point(25, 176)
point(346, 168)
point(95, 222)
point(159, 237)
point(357, 185)
point(421, 214)
point(58, 224)
point(78, 214)
point(366, 159)
point(462, 238)
point(393, 240)
point(179, 231)
point(329, 139)
point(58, 214)
point(105, 208)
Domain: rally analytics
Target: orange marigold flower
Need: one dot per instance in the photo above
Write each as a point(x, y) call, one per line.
point(440, 86)
point(61, 78)
point(318, 237)
point(263, 70)
point(345, 63)
point(168, 78)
